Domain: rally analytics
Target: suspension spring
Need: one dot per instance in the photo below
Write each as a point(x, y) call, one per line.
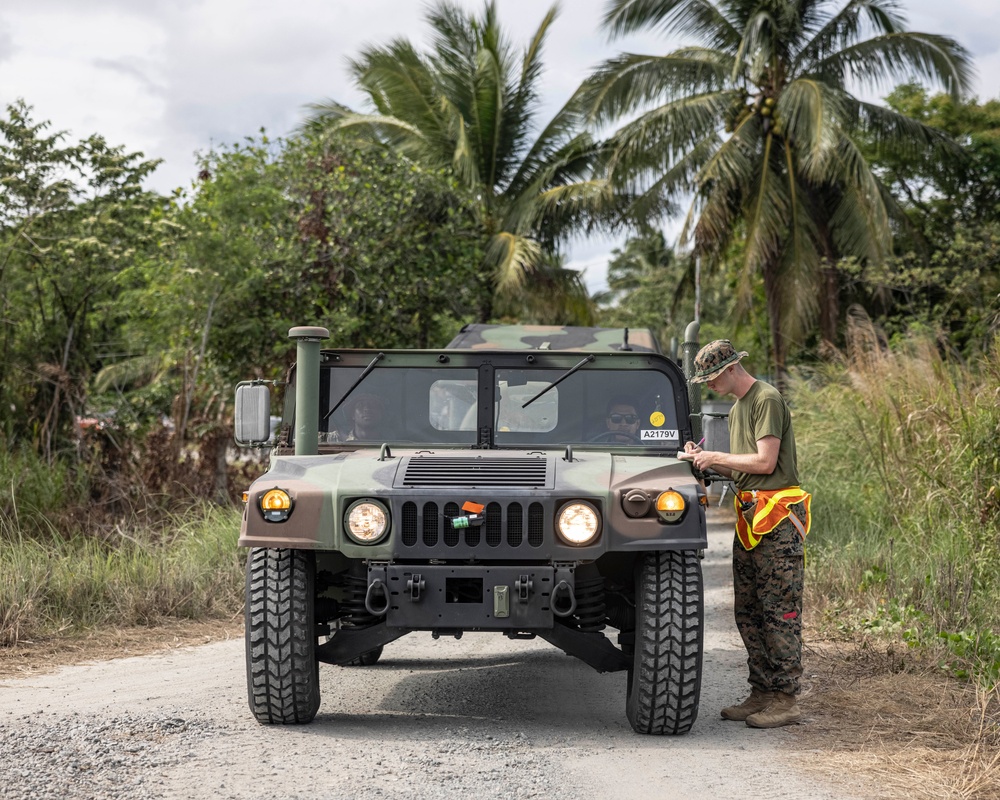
point(590, 608)
point(355, 613)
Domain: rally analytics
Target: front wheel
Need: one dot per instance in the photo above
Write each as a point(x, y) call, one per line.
point(282, 669)
point(664, 682)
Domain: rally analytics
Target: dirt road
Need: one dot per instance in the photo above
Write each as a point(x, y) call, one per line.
point(477, 717)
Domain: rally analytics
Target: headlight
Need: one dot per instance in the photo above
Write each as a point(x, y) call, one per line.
point(670, 506)
point(578, 523)
point(276, 505)
point(366, 521)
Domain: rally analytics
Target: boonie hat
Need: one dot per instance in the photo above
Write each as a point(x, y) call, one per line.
point(713, 359)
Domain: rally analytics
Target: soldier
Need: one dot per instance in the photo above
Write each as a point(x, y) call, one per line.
point(772, 520)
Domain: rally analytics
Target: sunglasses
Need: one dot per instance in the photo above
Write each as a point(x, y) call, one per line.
point(628, 419)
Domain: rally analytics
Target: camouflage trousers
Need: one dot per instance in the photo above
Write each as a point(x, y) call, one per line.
point(767, 583)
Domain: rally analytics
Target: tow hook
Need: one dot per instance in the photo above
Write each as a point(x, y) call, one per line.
point(563, 589)
point(377, 596)
point(376, 589)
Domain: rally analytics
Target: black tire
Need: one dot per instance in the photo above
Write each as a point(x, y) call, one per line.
point(664, 682)
point(366, 659)
point(282, 669)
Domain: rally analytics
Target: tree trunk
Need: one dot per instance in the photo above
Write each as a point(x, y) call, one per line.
point(829, 311)
point(772, 295)
point(829, 290)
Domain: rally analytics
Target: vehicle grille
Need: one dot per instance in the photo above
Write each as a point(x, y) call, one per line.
point(427, 528)
point(477, 472)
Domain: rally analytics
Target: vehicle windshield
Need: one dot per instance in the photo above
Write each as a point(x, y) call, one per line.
point(442, 406)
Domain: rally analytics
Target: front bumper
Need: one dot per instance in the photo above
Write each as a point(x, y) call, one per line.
point(464, 597)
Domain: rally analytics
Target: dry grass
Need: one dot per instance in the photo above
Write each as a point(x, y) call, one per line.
point(46, 655)
point(898, 726)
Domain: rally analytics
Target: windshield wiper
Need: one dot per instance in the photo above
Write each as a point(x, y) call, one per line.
point(361, 377)
point(560, 379)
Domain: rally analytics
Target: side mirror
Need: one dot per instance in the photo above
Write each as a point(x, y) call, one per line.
point(252, 416)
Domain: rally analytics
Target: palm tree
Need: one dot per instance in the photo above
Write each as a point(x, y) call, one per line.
point(469, 106)
point(757, 122)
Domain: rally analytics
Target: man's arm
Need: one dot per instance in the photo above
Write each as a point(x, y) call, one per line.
point(762, 462)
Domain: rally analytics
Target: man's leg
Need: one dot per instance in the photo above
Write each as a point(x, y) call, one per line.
point(780, 571)
point(779, 558)
point(748, 611)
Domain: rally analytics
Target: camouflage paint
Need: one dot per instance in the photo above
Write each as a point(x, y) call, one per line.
point(323, 486)
point(553, 337)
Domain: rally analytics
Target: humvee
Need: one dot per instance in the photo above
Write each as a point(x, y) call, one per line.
point(476, 488)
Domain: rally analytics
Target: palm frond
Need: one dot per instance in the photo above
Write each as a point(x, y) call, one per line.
point(667, 183)
point(858, 19)
point(373, 129)
point(531, 63)
point(756, 53)
point(798, 288)
point(629, 83)
point(464, 160)
point(897, 58)
point(728, 174)
point(893, 133)
point(512, 258)
point(666, 132)
point(813, 116)
point(560, 135)
point(860, 221)
point(698, 19)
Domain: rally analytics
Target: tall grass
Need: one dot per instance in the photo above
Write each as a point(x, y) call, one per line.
point(184, 567)
point(33, 491)
point(901, 450)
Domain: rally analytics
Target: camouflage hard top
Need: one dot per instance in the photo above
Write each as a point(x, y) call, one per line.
point(553, 337)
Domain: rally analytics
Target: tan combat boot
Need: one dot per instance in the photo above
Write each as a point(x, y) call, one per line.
point(783, 711)
point(757, 701)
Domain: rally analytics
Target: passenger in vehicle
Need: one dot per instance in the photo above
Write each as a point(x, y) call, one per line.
point(366, 414)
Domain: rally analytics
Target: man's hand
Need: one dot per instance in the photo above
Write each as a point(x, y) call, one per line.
point(700, 459)
point(762, 462)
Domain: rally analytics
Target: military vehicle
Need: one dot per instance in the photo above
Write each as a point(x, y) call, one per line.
point(521, 481)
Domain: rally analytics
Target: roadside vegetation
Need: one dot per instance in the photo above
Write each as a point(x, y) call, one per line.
point(57, 579)
point(902, 450)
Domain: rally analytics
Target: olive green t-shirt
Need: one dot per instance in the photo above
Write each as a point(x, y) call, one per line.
point(761, 412)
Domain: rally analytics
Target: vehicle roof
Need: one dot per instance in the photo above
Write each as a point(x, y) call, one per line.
point(475, 336)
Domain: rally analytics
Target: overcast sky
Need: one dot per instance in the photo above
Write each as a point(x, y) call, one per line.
point(174, 77)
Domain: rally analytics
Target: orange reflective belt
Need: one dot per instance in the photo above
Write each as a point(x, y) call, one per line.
point(771, 508)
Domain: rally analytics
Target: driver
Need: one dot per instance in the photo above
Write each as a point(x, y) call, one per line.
point(622, 421)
